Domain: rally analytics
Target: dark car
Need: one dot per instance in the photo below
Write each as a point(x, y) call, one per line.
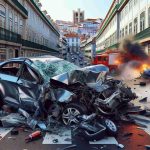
point(23, 82)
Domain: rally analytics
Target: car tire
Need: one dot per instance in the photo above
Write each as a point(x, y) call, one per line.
point(111, 128)
point(71, 111)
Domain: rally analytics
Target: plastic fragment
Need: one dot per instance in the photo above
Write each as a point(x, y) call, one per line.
point(120, 145)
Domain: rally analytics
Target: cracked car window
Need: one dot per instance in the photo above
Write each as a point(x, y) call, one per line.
point(49, 69)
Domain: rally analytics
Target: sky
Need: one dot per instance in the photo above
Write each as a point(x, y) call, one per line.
point(62, 9)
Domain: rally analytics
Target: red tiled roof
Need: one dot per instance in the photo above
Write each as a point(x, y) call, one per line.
point(71, 34)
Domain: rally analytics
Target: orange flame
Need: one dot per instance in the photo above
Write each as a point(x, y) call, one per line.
point(144, 67)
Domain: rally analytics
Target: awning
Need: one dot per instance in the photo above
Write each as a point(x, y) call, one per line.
point(101, 51)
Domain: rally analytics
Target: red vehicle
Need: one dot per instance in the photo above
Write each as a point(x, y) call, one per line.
point(108, 59)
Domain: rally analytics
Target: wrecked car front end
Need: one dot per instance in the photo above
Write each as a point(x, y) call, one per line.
point(95, 90)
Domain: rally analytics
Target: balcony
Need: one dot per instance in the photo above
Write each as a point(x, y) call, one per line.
point(143, 34)
point(9, 36)
point(37, 46)
point(19, 7)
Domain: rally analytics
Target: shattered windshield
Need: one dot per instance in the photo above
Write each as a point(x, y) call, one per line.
point(49, 69)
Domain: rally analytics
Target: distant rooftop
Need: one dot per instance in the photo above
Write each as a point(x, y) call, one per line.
point(71, 34)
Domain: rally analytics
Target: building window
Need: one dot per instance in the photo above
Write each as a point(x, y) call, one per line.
point(142, 21)
point(120, 16)
point(21, 27)
point(10, 53)
point(126, 30)
point(2, 16)
point(130, 4)
point(149, 49)
point(123, 32)
point(130, 28)
point(16, 23)
point(72, 39)
point(2, 55)
point(120, 34)
point(135, 26)
point(149, 16)
point(135, 2)
point(10, 20)
point(126, 10)
point(77, 39)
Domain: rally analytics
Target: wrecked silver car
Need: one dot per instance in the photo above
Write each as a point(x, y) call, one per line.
point(95, 92)
point(51, 86)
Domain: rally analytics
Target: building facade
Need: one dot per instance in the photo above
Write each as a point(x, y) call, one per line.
point(78, 16)
point(88, 46)
point(63, 47)
point(89, 27)
point(25, 30)
point(66, 26)
point(125, 17)
point(73, 40)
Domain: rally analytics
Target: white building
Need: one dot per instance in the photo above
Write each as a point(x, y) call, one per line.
point(25, 30)
point(125, 17)
point(73, 40)
point(63, 43)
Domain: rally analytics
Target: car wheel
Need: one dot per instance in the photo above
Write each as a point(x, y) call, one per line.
point(111, 128)
point(70, 113)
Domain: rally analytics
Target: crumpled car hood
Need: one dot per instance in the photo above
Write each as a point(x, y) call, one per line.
point(88, 75)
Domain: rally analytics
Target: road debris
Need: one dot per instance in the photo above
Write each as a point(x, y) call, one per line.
point(127, 134)
point(143, 100)
point(10, 137)
point(14, 132)
point(120, 145)
point(141, 84)
point(34, 136)
point(55, 141)
point(71, 147)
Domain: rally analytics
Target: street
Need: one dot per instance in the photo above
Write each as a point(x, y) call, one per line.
point(77, 58)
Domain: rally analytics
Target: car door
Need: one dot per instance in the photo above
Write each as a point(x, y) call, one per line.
point(9, 72)
point(29, 88)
